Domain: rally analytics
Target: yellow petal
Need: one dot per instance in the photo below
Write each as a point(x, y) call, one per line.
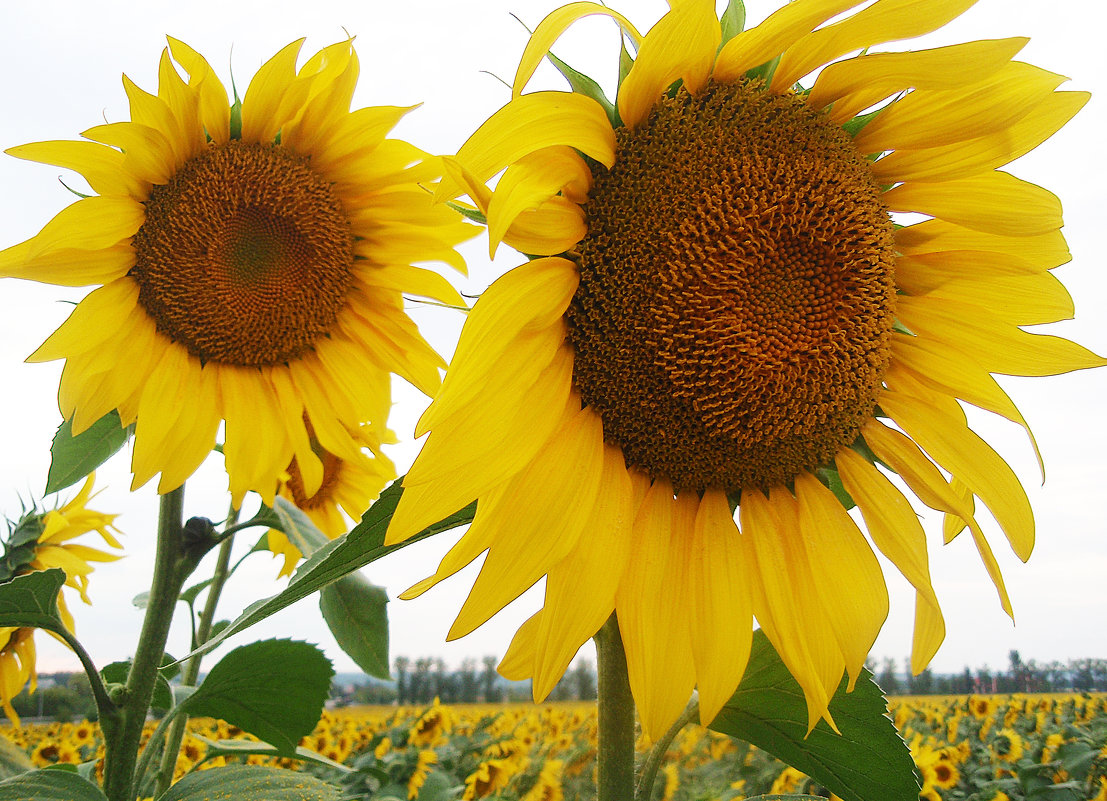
point(652, 611)
point(933, 119)
point(549, 30)
point(681, 46)
point(858, 83)
point(970, 270)
point(753, 47)
point(935, 236)
point(91, 323)
point(993, 202)
point(996, 344)
point(848, 579)
point(896, 531)
point(969, 458)
point(534, 528)
point(883, 21)
point(721, 616)
point(554, 227)
point(580, 590)
point(147, 153)
point(89, 224)
point(273, 88)
point(529, 123)
point(214, 108)
point(533, 180)
point(68, 267)
point(983, 153)
point(101, 166)
point(1028, 299)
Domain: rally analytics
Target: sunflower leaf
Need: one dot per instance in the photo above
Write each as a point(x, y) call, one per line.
point(242, 748)
point(868, 761)
point(31, 600)
point(251, 783)
point(50, 785)
point(116, 673)
point(74, 457)
point(298, 527)
point(357, 615)
point(273, 689)
point(339, 557)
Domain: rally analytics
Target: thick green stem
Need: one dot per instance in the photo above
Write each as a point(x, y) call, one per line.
point(192, 667)
point(644, 791)
point(176, 557)
point(615, 756)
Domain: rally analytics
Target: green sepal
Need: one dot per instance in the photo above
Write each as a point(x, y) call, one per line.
point(733, 21)
point(50, 785)
point(251, 783)
point(236, 118)
point(72, 458)
point(116, 674)
point(868, 761)
point(626, 61)
point(339, 557)
point(468, 213)
point(356, 612)
point(31, 601)
point(273, 689)
point(829, 478)
point(763, 72)
point(584, 85)
point(854, 126)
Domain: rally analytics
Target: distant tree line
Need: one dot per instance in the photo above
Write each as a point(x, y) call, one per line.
point(1075, 675)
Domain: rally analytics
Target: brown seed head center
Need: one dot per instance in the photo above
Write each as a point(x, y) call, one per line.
point(736, 300)
point(245, 256)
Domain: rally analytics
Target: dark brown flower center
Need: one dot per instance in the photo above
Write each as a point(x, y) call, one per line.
point(244, 257)
point(736, 300)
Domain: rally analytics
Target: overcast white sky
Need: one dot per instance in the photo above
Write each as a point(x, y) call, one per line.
point(61, 64)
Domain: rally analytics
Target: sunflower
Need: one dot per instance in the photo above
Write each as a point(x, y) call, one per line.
point(348, 486)
point(40, 541)
point(252, 258)
point(721, 320)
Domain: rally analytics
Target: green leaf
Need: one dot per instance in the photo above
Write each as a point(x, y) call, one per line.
point(356, 612)
point(273, 689)
point(251, 783)
point(241, 748)
point(298, 527)
point(830, 478)
point(49, 785)
point(116, 673)
point(470, 214)
point(74, 457)
point(339, 557)
point(31, 600)
point(733, 20)
point(868, 761)
point(439, 786)
point(189, 594)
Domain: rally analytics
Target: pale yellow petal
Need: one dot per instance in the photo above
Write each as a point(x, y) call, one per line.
point(936, 236)
point(91, 223)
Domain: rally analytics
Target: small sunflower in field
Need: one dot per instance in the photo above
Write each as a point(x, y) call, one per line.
point(723, 332)
point(251, 256)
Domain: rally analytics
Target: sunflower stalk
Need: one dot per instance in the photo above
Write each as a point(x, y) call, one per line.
point(176, 557)
point(644, 790)
point(191, 672)
point(615, 705)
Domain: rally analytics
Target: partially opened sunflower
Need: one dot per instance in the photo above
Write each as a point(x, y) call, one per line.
point(251, 258)
point(723, 321)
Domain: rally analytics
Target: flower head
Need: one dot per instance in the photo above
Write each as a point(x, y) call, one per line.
point(40, 541)
point(723, 320)
point(249, 257)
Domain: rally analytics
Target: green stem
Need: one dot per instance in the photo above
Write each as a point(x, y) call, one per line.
point(191, 671)
point(644, 791)
point(615, 757)
point(176, 557)
point(105, 707)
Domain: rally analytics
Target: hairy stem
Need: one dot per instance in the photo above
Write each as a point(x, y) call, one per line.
point(615, 757)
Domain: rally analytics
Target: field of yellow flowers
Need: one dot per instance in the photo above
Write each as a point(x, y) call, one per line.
point(968, 748)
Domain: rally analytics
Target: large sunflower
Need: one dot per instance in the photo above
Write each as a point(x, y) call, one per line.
point(723, 321)
point(252, 259)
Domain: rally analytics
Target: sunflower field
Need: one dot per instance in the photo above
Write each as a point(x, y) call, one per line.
point(970, 748)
